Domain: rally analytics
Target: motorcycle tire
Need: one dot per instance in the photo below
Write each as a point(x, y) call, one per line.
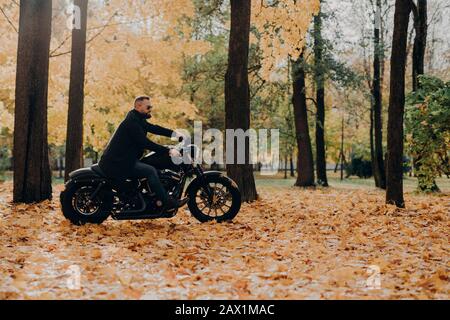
point(71, 199)
point(233, 191)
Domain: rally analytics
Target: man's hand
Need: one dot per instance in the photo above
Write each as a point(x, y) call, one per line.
point(179, 136)
point(174, 153)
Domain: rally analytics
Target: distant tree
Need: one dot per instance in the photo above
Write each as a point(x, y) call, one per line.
point(237, 94)
point(420, 40)
point(378, 57)
point(32, 175)
point(305, 162)
point(394, 172)
point(321, 162)
point(74, 141)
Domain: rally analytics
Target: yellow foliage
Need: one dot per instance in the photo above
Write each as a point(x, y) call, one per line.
point(133, 48)
point(283, 29)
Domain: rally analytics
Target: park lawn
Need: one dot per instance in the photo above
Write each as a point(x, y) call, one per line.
point(291, 244)
point(353, 182)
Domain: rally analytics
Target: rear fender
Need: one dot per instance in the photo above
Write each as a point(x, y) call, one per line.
point(85, 176)
point(77, 181)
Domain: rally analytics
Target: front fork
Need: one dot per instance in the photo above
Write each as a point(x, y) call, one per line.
point(199, 173)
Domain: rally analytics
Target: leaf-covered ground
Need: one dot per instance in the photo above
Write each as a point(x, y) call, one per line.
point(292, 244)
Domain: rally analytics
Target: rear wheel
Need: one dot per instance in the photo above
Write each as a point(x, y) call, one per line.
point(79, 208)
point(224, 204)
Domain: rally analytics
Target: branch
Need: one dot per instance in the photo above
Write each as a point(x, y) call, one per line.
point(263, 82)
point(9, 21)
point(312, 99)
point(254, 68)
point(60, 45)
point(436, 13)
point(311, 111)
point(88, 41)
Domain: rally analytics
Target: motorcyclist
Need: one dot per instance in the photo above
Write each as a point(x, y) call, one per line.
point(120, 159)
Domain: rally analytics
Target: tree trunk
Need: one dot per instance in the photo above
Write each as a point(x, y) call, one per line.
point(285, 166)
point(237, 94)
point(394, 190)
point(372, 144)
point(378, 161)
point(420, 42)
point(341, 155)
point(291, 166)
point(74, 142)
point(32, 175)
point(305, 162)
point(60, 167)
point(321, 165)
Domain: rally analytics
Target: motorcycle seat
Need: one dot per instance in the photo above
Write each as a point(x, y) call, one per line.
point(98, 171)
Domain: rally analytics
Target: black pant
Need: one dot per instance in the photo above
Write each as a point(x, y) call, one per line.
point(144, 170)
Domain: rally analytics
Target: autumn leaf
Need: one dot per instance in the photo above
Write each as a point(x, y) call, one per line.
point(271, 251)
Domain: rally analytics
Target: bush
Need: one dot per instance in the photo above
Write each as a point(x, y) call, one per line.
point(359, 167)
point(5, 163)
point(427, 125)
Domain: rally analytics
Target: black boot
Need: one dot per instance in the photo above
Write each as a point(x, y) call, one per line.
point(173, 203)
point(171, 206)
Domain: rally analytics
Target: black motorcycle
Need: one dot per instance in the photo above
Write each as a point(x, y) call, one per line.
point(91, 197)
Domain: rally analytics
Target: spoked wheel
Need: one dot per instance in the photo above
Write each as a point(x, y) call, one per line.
point(223, 205)
point(82, 203)
point(79, 208)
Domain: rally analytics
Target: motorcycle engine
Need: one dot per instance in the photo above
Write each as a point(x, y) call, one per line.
point(170, 179)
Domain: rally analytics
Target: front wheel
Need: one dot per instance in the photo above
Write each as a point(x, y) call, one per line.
point(78, 207)
point(224, 204)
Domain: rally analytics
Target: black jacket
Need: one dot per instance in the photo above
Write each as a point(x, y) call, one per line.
point(128, 143)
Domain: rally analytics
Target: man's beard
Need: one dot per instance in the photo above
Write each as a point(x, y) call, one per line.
point(148, 116)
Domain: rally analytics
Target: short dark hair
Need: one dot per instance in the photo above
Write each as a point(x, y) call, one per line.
point(141, 98)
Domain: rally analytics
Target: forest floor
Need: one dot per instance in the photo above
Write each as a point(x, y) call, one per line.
point(291, 244)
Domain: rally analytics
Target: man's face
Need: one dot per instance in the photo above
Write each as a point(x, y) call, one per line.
point(144, 107)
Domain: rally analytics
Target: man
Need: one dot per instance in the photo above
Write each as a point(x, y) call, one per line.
point(120, 159)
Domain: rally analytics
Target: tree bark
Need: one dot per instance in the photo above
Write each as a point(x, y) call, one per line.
point(394, 190)
point(305, 162)
point(341, 155)
point(60, 167)
point(372, 142)
point(378, 160)
point(74, 141)
point(237, 94)
point(420, 42)
point(285, 166)
point(32, 174)
point(321, 165)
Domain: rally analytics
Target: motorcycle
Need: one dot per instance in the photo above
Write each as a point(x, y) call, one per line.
point(91, 197)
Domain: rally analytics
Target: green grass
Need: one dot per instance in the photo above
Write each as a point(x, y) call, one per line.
point(8, 176)
point(409, 183)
